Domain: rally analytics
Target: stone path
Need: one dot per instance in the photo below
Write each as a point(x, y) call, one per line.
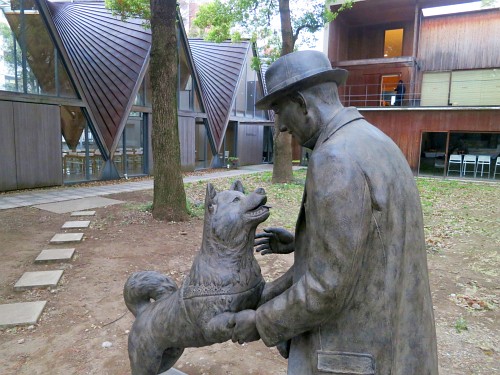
point(77, 201)
point(44, 196)
point(27, 313)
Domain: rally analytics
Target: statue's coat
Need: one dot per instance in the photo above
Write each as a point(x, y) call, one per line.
point(360, 301)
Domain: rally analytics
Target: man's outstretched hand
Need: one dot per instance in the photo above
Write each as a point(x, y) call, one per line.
point(245, 329)
point(274, 241)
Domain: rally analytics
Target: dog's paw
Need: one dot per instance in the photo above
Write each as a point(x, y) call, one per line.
point(220, 327)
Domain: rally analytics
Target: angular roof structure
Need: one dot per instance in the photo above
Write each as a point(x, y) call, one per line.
point(219, 67)
point(109, 57)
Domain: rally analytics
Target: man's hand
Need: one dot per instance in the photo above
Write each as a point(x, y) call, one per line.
point(274, 241)
point(245, 329)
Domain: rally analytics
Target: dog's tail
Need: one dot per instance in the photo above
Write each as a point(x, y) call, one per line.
point(143, 286)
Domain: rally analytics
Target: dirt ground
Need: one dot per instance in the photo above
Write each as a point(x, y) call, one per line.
point(86, 309)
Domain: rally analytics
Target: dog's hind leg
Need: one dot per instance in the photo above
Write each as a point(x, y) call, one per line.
point(145, 361)
point(170, 356)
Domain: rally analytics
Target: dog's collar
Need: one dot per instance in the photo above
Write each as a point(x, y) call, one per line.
point(192, 291)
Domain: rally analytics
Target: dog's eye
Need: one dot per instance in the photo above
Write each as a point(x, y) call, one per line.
point(237, 199)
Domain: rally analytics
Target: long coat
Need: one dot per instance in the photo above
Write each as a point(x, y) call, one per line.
point(360, 301)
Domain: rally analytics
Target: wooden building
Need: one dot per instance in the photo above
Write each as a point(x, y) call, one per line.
point(449, 66)
point(75, 97)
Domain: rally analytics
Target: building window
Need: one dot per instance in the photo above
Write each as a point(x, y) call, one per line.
point(131, 155)
point(81, 158)
point(393, 43)
point(29, 61)
point(454, 154)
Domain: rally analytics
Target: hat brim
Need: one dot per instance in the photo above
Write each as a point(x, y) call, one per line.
point(339, 76)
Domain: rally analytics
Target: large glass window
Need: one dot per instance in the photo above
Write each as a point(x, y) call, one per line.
point(393, 43)
point(188, 98)
point(131, 155)
point(248, 93)
point(433, 153)
point(29, 61)
point(463, 155)
point(82, 159)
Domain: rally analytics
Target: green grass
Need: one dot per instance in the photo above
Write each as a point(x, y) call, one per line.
point(461, 325)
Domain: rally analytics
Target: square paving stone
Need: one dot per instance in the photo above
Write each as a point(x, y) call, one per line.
point(25, 313)
point(76, 224)
point(52, 255)
point(173, 371)
point(77, 204)
point(66, 237)
point(38, 279)
point(83, 213)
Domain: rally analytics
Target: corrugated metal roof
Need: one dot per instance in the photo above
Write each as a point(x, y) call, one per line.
point(108, 56)
point(219, 67)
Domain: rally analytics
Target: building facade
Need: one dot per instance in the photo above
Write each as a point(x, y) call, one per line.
point(75, 97)
point(432, 83)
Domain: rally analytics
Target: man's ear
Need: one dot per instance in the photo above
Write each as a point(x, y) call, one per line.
point(301, 100)
point(238, 186)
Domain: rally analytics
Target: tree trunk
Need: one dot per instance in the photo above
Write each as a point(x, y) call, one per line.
point(282, 169)
point(169, 200)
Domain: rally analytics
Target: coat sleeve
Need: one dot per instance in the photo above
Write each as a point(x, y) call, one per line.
point(338, 214)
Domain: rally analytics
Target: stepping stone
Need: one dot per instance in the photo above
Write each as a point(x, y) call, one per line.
point(38, 279)
point(66, 237)
point(76, 224)
point(25, 313)
point(83, 213)
point(173, 371)
point(81, 204)
point(54, 255)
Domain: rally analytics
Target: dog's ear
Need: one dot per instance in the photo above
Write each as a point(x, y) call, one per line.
point(238, 186)
point(210, 196)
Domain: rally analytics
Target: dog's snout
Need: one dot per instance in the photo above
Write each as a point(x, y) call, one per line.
point(260, 191)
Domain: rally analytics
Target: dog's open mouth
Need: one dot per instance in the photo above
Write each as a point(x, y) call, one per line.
point(260, 210)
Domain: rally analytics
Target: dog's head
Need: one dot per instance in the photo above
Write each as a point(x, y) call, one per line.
point(231, 216)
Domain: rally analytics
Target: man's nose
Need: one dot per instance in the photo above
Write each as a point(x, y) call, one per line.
point(283, 128)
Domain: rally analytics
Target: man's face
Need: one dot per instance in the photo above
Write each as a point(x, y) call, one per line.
point(290, 117)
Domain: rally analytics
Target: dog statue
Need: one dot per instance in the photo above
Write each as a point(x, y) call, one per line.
point(225, 277)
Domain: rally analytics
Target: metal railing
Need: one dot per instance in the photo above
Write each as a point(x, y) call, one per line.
point(478, 93)
point(376, 95)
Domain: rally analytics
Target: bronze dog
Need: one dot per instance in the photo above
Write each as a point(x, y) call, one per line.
point(224, 277)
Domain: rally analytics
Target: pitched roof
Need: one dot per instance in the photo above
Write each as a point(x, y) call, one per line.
point(109, 57)
point(219, 67)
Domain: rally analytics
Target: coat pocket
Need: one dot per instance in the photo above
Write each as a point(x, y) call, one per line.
point(346, 363)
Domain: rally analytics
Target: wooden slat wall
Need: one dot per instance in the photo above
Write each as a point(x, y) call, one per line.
point(405, 127)
point(250, 144)
point(8, 180)
point(460, 41)
point(187, 141)
point(38, 145)
point(368, 42)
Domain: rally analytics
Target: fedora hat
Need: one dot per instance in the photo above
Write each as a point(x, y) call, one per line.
point(298, 70)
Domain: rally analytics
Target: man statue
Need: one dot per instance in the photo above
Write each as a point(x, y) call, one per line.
point(357, 299)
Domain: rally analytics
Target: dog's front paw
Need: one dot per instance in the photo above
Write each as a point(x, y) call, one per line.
point(220, 327)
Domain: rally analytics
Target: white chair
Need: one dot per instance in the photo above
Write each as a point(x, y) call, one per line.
point(497, 164)
point(482, 161)
point(454, 160)
point(469, 160)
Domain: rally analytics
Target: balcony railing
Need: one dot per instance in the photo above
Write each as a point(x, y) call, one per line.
point(462, 93)
point(377, 96)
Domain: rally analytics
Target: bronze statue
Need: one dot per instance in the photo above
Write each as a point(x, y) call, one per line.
point(225, 277)
point(357, 299)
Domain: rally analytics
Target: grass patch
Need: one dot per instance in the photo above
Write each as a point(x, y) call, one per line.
point(461, 325)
